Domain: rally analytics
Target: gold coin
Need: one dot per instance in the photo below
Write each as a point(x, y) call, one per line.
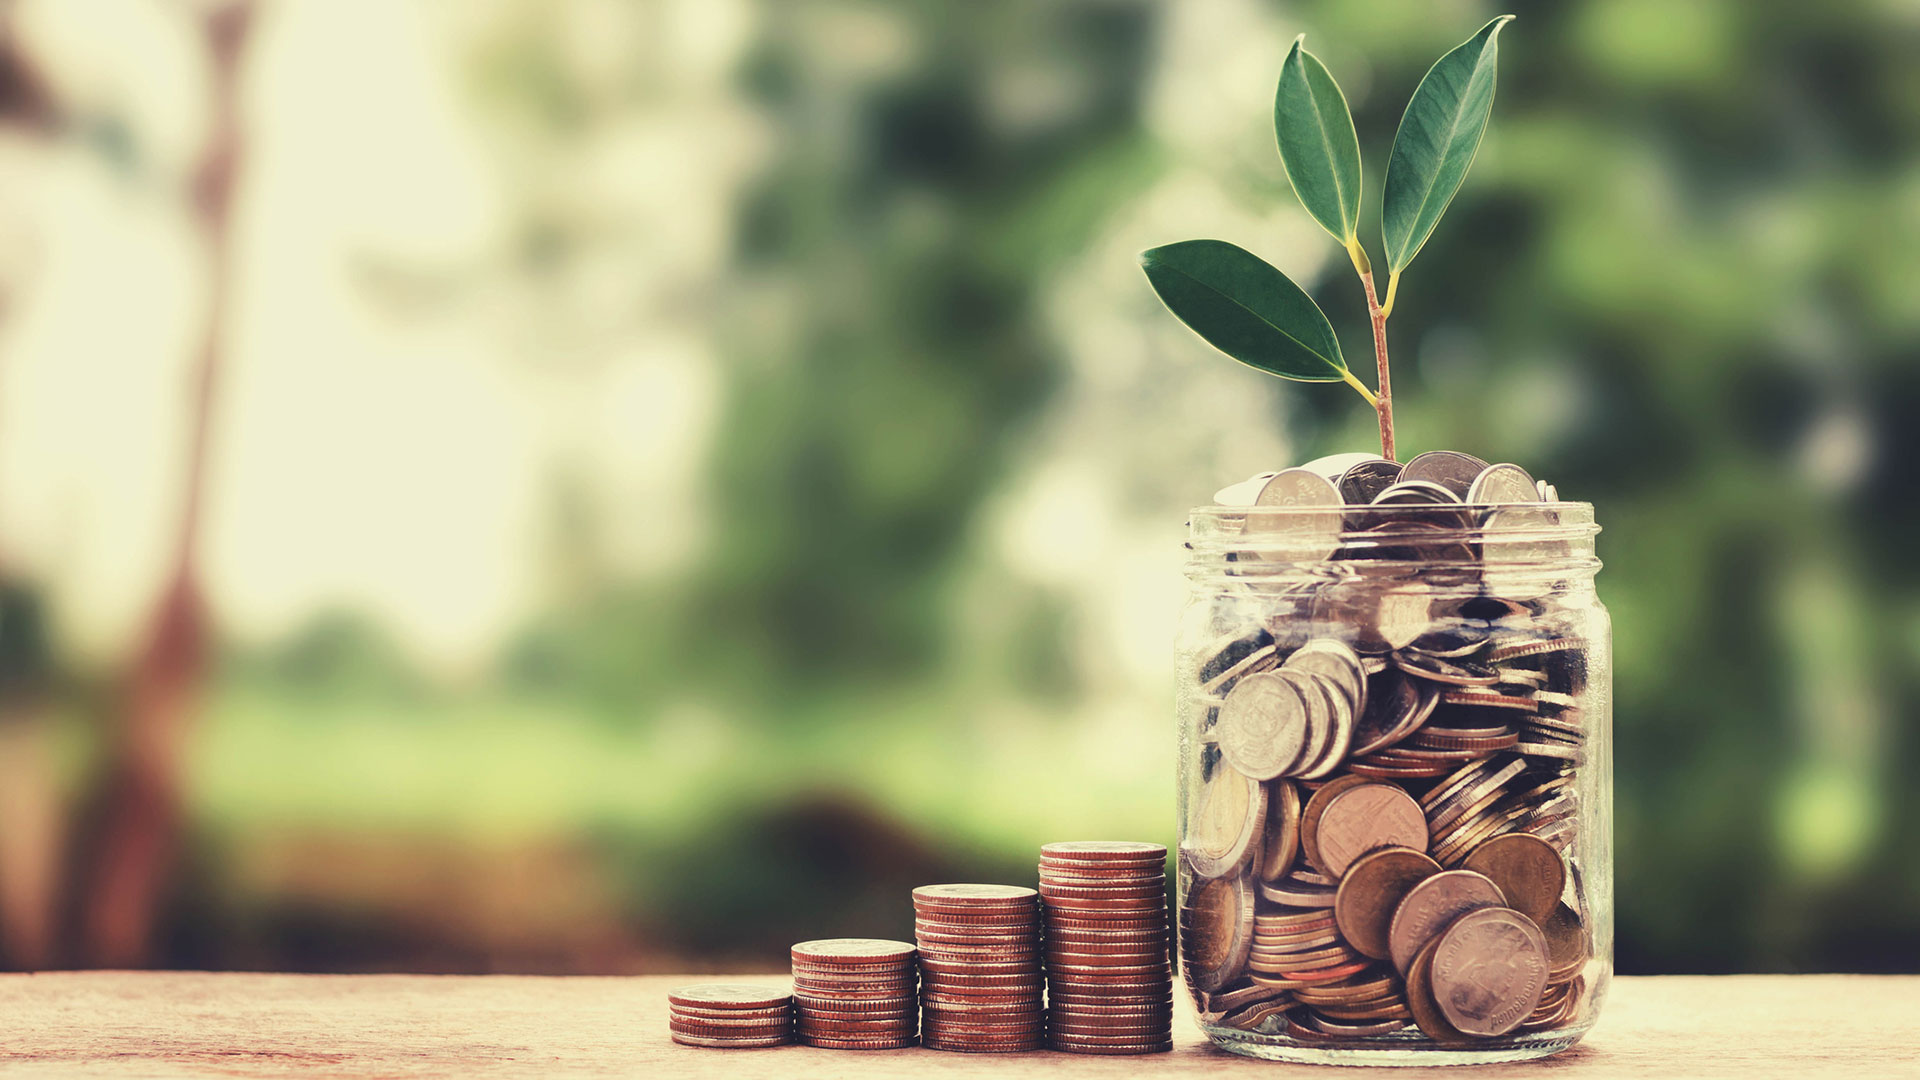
point(1282, 842)
point(1426, 1012)
point(1370, 892)
point(1528, 870)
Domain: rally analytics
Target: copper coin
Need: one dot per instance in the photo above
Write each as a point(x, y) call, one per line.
point(1530, 873)
point(846, 1029)
point(745, 1031)
point(938, 966)
point(1088, 881)
point(1023, 923)
point(1365, 817)
point(1110, 921)
point(893, 1015)
point(1488, 970)
point(996, 936)
point(860, 1044)
point(988, 1002)
point(1433, 903)
point(1315, 806)
point(1345, 1029)
point(694, 1013)
point(1568, 948)
point(1122, 1046)
point(732, 1044)
point(1371, 892)
point(805, 999)
point(1426, 1012)
point(1151, 1030)
point(981, 1042)
point(1118, 892)
point(728, 996)
point(837, 984)
point(1134, 907)
point(1280, 844)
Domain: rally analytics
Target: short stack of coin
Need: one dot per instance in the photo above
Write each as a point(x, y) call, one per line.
point(730, 1015)
point(1109, 977)
point(980, 963)
point(856, 993)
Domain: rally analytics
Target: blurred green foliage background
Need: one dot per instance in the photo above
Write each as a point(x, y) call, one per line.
point(680, 473)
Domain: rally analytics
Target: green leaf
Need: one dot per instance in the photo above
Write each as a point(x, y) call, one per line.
point(1246, 308)
point(1438, 136)
point(1318, 146)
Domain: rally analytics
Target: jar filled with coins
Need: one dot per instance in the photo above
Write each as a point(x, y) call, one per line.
point(1395, 774)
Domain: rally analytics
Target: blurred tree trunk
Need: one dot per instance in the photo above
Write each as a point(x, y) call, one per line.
point(140, 805)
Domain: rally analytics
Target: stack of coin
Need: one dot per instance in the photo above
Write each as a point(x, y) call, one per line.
point(1381, 750)
point(855, 993)
point(731, 1015)
point(1109, 974)
point(982, 982)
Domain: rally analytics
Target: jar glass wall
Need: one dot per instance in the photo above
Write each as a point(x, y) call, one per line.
point(1395, 782)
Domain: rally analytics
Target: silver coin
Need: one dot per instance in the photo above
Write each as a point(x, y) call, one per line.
point(1335, 730)
point(1334, 659)
point(1365, 480)
point(1448, 468)
point(1298, 487)
point(1334, 466)
point(1548, 493)
point(1503, 484)
point(1416, 493)
point(1263, 725)
point(1297, 535)
point(1244, 492)
point(1260, 659)
point(1223, 818)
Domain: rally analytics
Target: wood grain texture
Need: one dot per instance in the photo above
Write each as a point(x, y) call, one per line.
point(116, 1024)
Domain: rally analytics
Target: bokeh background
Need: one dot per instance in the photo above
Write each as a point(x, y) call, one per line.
point(623, 485)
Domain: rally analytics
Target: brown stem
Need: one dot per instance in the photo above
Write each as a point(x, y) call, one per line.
point(1384, 406)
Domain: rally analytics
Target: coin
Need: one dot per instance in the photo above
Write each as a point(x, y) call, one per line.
point(1282, 515)
point(1220, 933)
point(1530, 873)
point(1365, 480)
point(1105, 852)
point(1371, 891)
point(840, 950)
point(1338, 662)
point(1365, 817)
point(1449, 469)
point(1282, 834)
point(1430, 905)
point(1489, 968)
point(728, 996)
point(1262, 726)
point(1568, 947)
point(1226, 814)
point(1503, 484)
point(1316, 806)
point(1426, 1011)
point(975, 896)
point(1406, 492)
point(732, 1043)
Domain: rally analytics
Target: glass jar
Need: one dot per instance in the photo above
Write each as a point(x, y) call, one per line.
point(1395, 783)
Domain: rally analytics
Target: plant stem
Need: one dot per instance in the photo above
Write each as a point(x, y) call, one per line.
point(1383, 402)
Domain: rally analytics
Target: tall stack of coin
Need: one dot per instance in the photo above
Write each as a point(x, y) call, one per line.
point(730, 1015)
point(1383, 752)
point(855, 993)
point(982, 983)
point(1109, 979)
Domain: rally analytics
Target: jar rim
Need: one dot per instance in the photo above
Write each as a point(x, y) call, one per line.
point(1268, 541)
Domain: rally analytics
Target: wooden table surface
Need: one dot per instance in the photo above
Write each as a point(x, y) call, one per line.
point(119, 1024)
